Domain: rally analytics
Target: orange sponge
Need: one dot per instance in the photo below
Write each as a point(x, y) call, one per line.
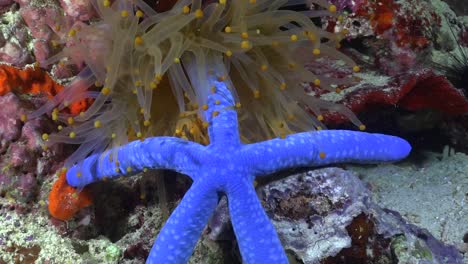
point(65, 201)
point(29, 80)
point(33, 80)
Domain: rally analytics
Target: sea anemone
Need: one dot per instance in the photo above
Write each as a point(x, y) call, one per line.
point(457, 70)
point(147, 72)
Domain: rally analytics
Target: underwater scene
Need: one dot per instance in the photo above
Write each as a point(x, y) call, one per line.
point(234, 131)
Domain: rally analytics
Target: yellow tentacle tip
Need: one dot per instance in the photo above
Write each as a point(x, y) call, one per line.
point(138, 41)
point(124, 13)
point(256, 94)
point(105, 91)
point(283, 86)
point(245, 44)
point(198, 13)
point(71, 33)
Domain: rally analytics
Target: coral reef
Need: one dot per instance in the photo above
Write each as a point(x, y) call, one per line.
point(38, 241)
point(328, 216)
point(78, 10)
point(322, 213)
point(414, 91)
point(394, 66)
point(23, 162)
point(14, 39)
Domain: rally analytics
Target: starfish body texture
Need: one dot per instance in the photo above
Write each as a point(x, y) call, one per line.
point(227, 166)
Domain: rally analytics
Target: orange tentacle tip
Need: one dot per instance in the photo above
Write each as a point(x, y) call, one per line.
point(65, 201)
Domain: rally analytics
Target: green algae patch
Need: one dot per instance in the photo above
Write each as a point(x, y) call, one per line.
point(33, 239)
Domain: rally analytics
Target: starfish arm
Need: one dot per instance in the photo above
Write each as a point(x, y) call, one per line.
point(155, 153)
point(337, 146)
point(178, 237)
point(221, 116)
point(256, 235)
point(270, 156)
point(324, 147)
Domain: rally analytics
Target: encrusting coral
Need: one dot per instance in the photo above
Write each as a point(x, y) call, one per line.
point(25, 146)
point(65, 201)
point(29, 80)
point(214, 73)
point(33, 80)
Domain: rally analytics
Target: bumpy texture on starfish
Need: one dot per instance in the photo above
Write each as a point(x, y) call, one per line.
point(227, 166)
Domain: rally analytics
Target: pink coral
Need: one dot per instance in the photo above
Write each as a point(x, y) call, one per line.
point(6, 2)
point(38, 20)
point(354, 5)
point(43, 20)
point(5, 5)
point(23, 162)
point(79, 9)
point(14, 39)
point(21, 156)
point(10, 124)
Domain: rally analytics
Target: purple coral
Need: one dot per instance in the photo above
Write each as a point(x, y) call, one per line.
point(42, 23)
point(328, 216)
point(319, 214)
point(351, 4)
point(10, 124)
point(14, 39)
point(79, 9)
point(23, 162)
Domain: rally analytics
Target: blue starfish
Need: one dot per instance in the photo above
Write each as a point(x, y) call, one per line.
point(227, 166)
